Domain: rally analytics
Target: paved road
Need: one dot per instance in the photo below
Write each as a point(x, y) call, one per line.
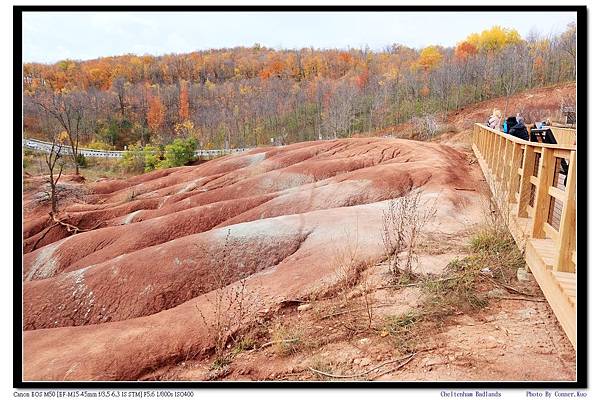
point(39, 145)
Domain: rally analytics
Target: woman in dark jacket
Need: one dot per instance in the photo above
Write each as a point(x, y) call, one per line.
point(519, 130)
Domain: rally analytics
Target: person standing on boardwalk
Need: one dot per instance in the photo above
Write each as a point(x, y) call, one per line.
point(495, 120)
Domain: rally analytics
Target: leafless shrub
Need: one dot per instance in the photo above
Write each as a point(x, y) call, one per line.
point(403, 223)
point(233, 305)
point(352, 288)
point(425, 127)
point(496, 213)
point(54, 161)
point(366, 301)
point(533, 115)
point(448, 128)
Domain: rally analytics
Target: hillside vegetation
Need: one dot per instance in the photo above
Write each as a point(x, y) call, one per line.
point(243, 97)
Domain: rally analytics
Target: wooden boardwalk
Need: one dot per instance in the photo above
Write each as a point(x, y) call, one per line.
point(534, 186)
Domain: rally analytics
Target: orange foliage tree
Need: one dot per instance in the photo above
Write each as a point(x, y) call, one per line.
point(156, 113)
point(465, 50)
point(184, 102)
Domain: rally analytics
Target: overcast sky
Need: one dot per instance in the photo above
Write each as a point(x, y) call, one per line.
point(49, 37)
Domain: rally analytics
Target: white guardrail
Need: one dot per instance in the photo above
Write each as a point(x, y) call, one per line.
point(45, 147)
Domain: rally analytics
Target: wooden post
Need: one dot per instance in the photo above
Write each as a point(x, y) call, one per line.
point(492, 139)
point(568, 222)
point(542, 199)
point(498, 159)
point(494, 155)
point(485, 142)
point(486, 145)
point(505, 168)
point(497, 156)
point(493, 144)
point(524, 187)
point(513, 172)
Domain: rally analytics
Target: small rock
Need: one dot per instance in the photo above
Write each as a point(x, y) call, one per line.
point(486, 271)
point(305, 307)
point(491, 345)
point(522, 275)
point(527, 313)
point(364, 341)
point(384, 333)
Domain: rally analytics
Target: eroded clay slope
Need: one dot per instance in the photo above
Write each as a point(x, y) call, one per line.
point(122, 299)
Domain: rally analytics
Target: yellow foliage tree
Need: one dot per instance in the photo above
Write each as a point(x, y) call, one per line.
point(63, 137)
point(494, 39)
point(186, 128)
point(430, 58)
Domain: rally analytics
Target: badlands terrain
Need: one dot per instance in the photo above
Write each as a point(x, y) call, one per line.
point(133, 294)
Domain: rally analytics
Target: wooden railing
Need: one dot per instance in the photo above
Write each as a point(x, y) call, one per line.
point(41, 146)
point(534, 184)
point(562, 134)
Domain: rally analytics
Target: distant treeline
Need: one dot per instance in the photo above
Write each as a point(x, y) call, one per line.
point(244, 97)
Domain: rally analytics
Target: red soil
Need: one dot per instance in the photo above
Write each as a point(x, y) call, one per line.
point(123, 299)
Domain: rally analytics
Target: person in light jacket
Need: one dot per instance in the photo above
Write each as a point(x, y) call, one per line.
point(495, 120)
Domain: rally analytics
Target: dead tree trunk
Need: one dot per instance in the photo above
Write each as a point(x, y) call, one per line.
point(52, 158)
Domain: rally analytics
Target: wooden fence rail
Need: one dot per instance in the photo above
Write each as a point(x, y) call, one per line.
point(534, 186)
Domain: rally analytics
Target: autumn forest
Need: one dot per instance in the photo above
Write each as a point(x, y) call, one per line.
point(245, 97)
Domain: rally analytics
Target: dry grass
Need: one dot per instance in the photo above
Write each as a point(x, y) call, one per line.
point(493, 257)
point(402, 329)
point(354, 288)
point(287, 339)
point(348, 264)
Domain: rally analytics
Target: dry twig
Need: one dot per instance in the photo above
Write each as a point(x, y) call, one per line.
point(407, 358)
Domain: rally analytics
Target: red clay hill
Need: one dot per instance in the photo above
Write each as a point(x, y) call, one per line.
point(124, 297)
